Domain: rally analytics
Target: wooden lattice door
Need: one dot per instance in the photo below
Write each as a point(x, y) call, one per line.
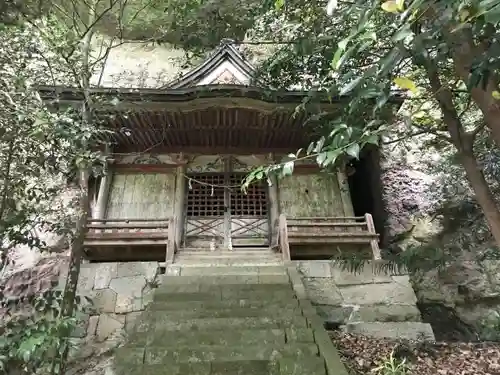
point(249, 216)
point(220, 215)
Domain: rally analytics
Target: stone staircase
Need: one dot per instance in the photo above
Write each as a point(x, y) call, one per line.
point(250, 320)
point(222, 257)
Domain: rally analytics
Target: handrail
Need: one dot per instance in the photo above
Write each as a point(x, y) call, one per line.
point(366, 232)
point(130, 228)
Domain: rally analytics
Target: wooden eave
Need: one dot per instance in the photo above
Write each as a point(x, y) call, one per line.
point(218, 117)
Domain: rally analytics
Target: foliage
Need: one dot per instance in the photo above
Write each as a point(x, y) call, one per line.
point(34, 335)
point(392, 366)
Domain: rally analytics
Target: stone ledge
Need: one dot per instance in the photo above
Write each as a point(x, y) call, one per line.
point(403, 330)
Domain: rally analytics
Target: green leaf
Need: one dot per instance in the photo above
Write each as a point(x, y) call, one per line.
point(390, 6)
point(353, 150)
point(406, 83)
point(332, 157)
point(338, 54)
point(288, 168)
point(278, 4)
point(347, 89)
point(400, 5)
point(372, 139)
point(402, 33)
point(320, 159)
point(495, 94)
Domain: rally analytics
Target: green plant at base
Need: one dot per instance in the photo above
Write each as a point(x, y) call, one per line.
point(32, 336)
point(392, 366)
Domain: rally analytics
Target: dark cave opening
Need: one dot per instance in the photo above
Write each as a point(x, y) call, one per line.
point(365, 187)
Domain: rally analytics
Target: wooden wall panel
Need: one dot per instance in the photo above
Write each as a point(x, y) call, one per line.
point(309, 195)
point(141, 196)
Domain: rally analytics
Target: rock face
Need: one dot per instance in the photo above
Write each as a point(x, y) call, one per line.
point(467, 292)
point(362, 301)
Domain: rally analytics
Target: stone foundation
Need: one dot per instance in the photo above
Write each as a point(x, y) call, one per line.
point(119, 292)
point(348, 300)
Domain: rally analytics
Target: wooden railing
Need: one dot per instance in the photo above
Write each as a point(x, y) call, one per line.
point(327, 230)
point(132, 232)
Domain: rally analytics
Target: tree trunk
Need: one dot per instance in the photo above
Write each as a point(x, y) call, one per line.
point(464, 51)
point(464, 143)
point(483, 193)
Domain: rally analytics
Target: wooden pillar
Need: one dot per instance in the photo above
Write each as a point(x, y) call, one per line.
point(374, 240)
point(180, 202)
point(274, 207)
point(345, 195)
point(102, 197)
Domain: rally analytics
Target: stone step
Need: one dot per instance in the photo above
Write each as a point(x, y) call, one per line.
point(392, 330)
point(166, 325)
point(231, 312)
point(199, 292)
point(219, 336)
point(223, 270)
point(222, 353)
point(236, 250)
point(308, 365)
point(226, 279)
point(288, 303)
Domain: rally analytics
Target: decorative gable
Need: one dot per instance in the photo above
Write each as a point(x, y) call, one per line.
point(225, 66)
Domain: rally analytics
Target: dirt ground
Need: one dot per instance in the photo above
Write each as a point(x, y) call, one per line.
point(362, 355)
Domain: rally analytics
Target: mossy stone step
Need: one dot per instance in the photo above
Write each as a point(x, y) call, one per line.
point(147, 324)
point(307, 365)
point(220, 337)
point(201, 287)
point(224, 353)
point(226, 279)
point(231, 312)
point(185, 294)
point(229, 270)
point(237, 336)
point(288, 303)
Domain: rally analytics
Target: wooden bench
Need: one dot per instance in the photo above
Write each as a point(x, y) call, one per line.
point(131, 233)
point(327, 230)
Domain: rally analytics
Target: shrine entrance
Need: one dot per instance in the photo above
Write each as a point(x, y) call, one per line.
point(219, 215)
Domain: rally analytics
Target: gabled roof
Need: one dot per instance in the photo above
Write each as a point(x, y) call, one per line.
point(225, 65)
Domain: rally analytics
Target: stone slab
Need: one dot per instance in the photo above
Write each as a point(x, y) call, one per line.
point(335, 315)
point(165, 369)
point(86, 278)
point(225, 279)
point(306, 366)
point(402, 330)
point(323, 291)
point(129, 285)
point(108, 325)
point(288, 303)
point(92, 326)
point(315, 268)
point(211, 353)
point(367, 275)
point(104, 300)
point(299, 335)
point(222, 270)
point(104, 273)
point(229, 323)
point(384, 294)
point(255, 367)
point(386, 313)
point(231, 312)
point(233, 337)
point(148, 270)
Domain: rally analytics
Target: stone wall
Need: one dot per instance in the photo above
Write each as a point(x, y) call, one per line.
point(366, 302)
point(119, 291)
